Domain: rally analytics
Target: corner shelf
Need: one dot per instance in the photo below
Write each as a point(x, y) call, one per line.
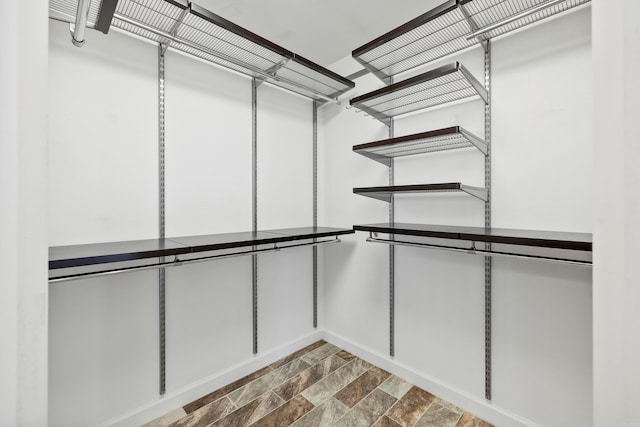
point(449, 28)
point(574, 248)
point(99, 254)
point(425, 142)
point(194, 30)
point(386, 193)
point(449, 83)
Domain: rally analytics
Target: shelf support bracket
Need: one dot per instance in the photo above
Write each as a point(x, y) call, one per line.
point(272, 71)
point(174, 29)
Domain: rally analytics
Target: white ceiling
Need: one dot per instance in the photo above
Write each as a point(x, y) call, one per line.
point(323, 31)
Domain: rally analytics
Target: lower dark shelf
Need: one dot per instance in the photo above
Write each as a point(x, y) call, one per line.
point(112, 252)
point(385, 193)
point(543, 239)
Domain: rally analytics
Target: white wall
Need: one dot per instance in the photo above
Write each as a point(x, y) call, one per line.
point(542, 179)
point(104, 187)
point(616, 320)
point(23, 148)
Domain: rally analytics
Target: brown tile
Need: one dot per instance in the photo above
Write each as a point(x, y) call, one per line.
point(332, 383)
point(285, 414)
point(411, 407)
point(386, 422)
point(368, 410)
point(307, 378)
point(251, 412)
point(438, 416)
point(320, 353)
point(256, 388)
point(468, 420)
point(324, 415)
point(167, 419)
point(395, 386)
point(297, 354)
point(207, 414)
point(448, 405)
point(343, 354)
point(212, 397)
point(355, 391)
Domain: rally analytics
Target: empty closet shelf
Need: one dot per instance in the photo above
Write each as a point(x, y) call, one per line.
point(451, 82)
point(194, 30)
point(385, 193)
point(564, 247)
point(187, 248)
point(426, 142)
point(451, 27)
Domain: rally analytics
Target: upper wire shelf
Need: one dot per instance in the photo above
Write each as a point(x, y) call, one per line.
point(425, 142)
point(194, 30)
point(451, 27)
point(448, 83)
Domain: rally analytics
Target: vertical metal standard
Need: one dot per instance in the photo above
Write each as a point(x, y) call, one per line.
point(392, 255)
point(487, 222)
point(254, 205)
point(161, 211)
point(315, 212)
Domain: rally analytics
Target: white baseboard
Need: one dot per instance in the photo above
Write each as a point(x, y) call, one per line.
point(496, 415)
point(181, 397)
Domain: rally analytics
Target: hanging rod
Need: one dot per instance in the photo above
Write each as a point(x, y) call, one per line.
point(513, 18)
point(475, 251)
point(177, 262)
point(77, 29)
point(222, 56)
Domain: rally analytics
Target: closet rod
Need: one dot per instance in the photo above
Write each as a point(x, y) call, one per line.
point(513, 18)
point(221, 56)
point(177, 262)
point(77, 29)
point(475, 251)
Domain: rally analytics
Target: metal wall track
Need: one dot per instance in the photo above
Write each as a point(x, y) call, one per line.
point(315, 211)
point(254, 206)
point(392, 252)
point(161, 211)
point(487, 221)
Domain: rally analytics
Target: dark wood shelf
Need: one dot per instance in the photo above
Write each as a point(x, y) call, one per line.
point(543, 239)
point(449, 28)
point(450, 138)
point(384, 193)
point(442, 85)
point(112, 252)
point(196, 31)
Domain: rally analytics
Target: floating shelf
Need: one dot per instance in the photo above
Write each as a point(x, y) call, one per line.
point(66, 257)
point(451, 27)
point(574, 248)
point(426, 142)
point(451, 82)
point(194, 30)
point(385, 193)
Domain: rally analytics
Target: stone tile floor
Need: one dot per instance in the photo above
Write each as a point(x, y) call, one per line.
point(319, 385)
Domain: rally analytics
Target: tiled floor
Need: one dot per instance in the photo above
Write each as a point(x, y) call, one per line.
point(320, 385)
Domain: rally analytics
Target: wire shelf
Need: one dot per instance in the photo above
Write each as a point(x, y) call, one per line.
point(425, 142)
point(447, 28)
point(194, 30)
point(385, 193)
point(440, 86)
point(70, 7)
